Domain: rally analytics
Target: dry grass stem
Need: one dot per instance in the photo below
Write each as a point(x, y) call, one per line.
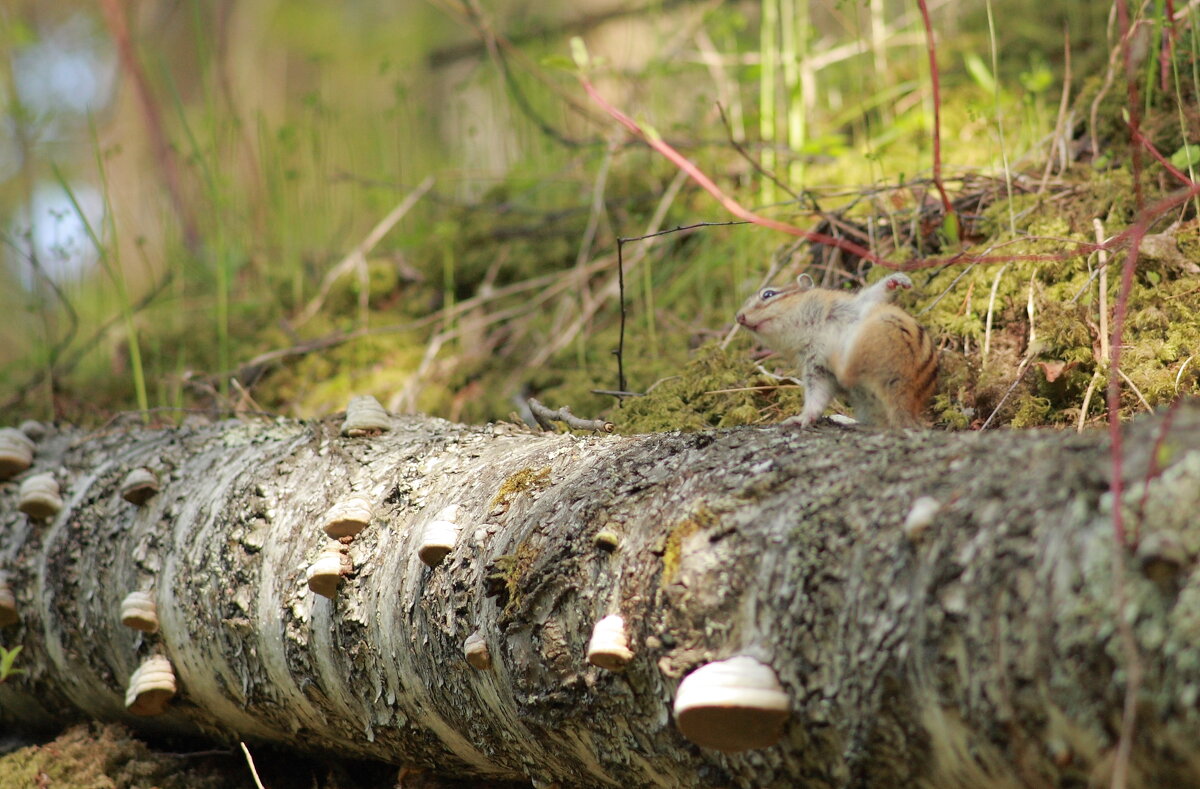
point(356, 260)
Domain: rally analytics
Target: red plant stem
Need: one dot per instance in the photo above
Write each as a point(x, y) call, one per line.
point(731, 205)
point(1154, 470)
point(937, 108)
point(1131, 88)
point(1166, 163)
point(1164, 52)
point(1145, 218)
point(114, 15)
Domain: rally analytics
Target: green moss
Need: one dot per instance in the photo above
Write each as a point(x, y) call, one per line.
point(100, 756)
point(717, 388)
point(524, 480)
point(507, 576)
point(1030, 411)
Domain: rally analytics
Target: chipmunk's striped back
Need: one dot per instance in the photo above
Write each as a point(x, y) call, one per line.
point(856, 345)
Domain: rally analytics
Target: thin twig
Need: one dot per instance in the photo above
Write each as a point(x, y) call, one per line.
point(1020, 374)
point(357, 257)
point(545, 416)
point(250, 761)
point(1064, 104)
point(1087, 400)
point(1141, 397)
point(987, 326)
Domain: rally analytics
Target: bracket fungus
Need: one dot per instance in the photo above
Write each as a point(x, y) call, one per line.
point(608, 647)
point(38, 497)
point(365, 417)
point(1162, 555)
point(607, 540)
point(475, 650)
point(439, 536)
point(325, 574)
point(151, 687)
point(8, 603)
point(139, 611)
point(732, 705)
point(920, 517)
point(348, 517)
point(16, 452)
point(139, 486)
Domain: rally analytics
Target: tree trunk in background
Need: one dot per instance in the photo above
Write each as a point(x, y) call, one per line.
point(981, 652)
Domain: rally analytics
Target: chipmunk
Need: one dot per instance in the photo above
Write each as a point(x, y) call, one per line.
point(857, 345)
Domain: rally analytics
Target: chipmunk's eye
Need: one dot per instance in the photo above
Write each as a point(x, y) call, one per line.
point(768, 294)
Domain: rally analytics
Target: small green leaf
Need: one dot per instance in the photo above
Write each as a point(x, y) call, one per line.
point(980, 72)
point(7, 658)
point(950, 228)
point(579, 52)
point(1187, 156)
point(559, 62)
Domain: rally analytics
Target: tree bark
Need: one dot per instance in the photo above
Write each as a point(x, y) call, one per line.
point(982, 650)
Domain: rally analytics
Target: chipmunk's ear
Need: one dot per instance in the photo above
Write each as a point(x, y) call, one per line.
point(804, 282)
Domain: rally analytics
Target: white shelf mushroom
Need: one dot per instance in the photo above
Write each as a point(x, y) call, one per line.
point(151, 687)
point(16, 452)
point(139, 486)
point(920, 517)
point(348, 517)
point(325, 574)
point(439, 536)
point(609, 647)
point(139, 611)
point(38, 497)
point(475, 650)
point(732, 705)
point(8, 603)
point(364, 417)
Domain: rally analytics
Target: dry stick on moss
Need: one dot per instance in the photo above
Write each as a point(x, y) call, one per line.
point(356, 259)
point(1012, 387)
point(1102, 271)
point(1141, 397)
point(987, 326)
point(545, 416)
point(1058, 142)
point(547, 283)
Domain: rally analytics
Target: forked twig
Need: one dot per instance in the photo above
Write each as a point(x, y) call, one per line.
point(545, 416)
